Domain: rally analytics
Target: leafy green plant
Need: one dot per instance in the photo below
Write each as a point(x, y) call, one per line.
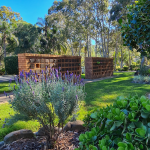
point(98, 62)
point(45, 98)
point(11, 64)
point(125, 68)
point(125, 125)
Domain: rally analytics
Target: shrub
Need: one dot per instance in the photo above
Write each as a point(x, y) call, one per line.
point(46, 97)
point(125, 68)
point(11, 64)
point(138, 79)
point(144, 71)
point(2, 71)
point(125, 125)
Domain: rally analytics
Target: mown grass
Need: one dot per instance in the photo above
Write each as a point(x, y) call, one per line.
point(5, 87)
point(99, 94)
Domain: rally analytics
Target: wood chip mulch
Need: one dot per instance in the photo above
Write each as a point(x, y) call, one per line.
point(66, 141)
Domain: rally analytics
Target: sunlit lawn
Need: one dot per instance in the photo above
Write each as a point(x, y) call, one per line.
point(99, 94)
point(5, 87)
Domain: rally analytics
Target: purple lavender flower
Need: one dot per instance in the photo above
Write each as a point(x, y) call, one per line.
point(76, 97)
point(14, 87)
point(33, 92)
point(63, 89)
point(9, 96)
point(3, 126)
point(35, 80)
point(27, 82)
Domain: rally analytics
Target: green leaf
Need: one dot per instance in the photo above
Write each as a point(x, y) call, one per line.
point(145, 115)
point(91, 147)
point(117, 111)
point(141, 132)
point(121, 148)
point(113, 127)
point(104, 148)
point(128, 136)
point(120, 21)
point(147, 107)
point(118, 123)
point(94, 115)
point(121, 144)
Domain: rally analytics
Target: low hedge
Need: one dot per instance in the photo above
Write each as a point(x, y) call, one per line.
point(11, 64)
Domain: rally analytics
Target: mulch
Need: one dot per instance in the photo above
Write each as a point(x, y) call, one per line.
point(66, 141)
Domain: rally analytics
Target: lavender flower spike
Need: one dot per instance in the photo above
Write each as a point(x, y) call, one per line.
point(63, 89)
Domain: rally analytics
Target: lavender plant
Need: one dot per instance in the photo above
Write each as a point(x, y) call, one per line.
point(46, 97)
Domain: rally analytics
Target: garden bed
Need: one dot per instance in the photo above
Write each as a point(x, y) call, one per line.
point(66, 141)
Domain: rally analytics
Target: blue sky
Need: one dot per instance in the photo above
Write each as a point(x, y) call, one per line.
point(29, 10)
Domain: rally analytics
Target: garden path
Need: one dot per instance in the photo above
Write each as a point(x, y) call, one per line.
point(6, 78)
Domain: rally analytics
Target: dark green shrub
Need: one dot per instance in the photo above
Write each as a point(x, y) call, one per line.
point(143, 71)
point(11, 64)
point(119, 69)
point(125, 125)
point(125, 68)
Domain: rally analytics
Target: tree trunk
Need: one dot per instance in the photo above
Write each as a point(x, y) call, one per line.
point(96, 46)
point(4, 45)
point(121, 66)
point(88, 45)
point(80, 48)
point(116, 54)
point(129, 60)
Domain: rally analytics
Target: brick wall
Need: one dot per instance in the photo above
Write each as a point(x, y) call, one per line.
point(39, 62)
point(94, 70)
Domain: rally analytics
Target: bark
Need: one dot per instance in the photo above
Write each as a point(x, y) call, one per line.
point(121, 65)
point(4, 45)
point(80, 48)
point(88, 45)
point(108, 41)
point(96, 46)
point(129, 59)
point(116, 54)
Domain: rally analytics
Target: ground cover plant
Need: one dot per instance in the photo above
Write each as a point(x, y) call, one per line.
point(99, 95)
point(45, 98)
point(125, 125)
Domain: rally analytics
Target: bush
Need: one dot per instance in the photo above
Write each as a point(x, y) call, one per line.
point(2, 71)
point(141, 79)
point(46, 98)
point(125, 68)
point(125, 125)
point(11, 64)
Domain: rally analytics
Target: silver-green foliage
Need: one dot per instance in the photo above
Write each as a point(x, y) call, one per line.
point(47, 96)
point(140, 79)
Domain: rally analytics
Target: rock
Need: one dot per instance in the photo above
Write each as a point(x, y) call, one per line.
point(13, 136)
point(1, 144)
point(41, 131)
point(74, 126)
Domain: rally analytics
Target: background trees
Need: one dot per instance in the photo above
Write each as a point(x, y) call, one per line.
point(82, 27)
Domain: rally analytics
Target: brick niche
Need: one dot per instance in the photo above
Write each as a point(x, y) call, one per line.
point(94, 70)
point(39, 62)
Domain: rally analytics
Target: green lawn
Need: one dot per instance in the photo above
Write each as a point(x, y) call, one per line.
point(99, 94)
point(5, 87)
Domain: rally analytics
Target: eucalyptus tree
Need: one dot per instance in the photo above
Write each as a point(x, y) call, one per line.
point(7, 32)
point(8, 15)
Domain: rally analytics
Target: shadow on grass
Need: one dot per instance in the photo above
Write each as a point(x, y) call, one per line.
point(103, 93)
